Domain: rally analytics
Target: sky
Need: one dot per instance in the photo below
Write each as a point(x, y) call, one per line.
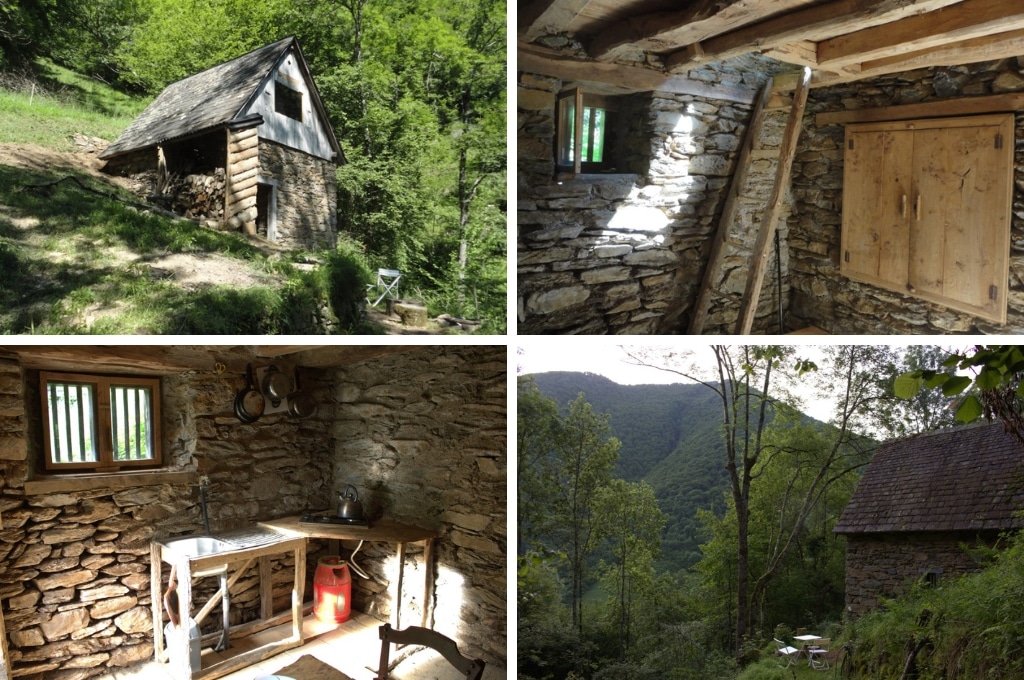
point(606, 356)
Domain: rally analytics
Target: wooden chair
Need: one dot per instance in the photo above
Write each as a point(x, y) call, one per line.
point(472, 669)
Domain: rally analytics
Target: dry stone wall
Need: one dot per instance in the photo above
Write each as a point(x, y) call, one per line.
point(422, 435)
point(74, 566)
point(307, 189)
point(625, 253)
point(887, 565)
point(820, 295)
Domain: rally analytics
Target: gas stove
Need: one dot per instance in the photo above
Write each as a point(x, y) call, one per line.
point(334, 520)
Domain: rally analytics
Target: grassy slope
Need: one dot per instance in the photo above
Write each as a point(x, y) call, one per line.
point(59, 276)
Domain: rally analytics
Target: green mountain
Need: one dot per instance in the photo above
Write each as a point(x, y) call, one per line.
point(671, 438)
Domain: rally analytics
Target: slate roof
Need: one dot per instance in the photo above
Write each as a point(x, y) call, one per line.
point(967, 479)
point(206, 100)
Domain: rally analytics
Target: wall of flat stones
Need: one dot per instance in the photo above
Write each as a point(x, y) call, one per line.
point(74, 566)
point(820, 295)
point(625, 253)
point(307, 206)
point(887, 565)
point(422, 436)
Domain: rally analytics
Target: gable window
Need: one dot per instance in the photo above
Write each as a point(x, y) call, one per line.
point(287, 102)
point(100, 423)
point(584, 137)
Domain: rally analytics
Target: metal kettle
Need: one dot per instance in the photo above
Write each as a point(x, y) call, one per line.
point(349, 506)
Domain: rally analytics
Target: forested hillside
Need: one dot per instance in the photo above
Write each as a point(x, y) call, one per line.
point(671, 438)
point(416, 91)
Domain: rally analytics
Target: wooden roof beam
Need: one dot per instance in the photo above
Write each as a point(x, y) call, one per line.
point(988, 48)
point(801, 27)
point(541, 17)
point(660, 31)
point(622, 78)
point(964, 21)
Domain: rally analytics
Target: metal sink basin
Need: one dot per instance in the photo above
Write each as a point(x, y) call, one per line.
point(200, 546)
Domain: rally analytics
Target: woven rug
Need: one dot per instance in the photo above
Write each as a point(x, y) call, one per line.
point(311, 668)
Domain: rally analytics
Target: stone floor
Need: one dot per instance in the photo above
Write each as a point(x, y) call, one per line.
point(353, 648)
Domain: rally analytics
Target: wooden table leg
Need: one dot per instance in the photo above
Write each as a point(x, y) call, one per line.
point(155, 584)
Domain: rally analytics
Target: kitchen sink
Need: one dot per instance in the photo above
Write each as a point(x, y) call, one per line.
point(199, 546)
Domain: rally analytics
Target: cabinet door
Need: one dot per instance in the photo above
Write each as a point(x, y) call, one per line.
point(926, 209)
point(876, 206)
point(960, 232)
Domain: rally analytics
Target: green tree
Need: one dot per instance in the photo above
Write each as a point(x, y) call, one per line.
point(584, 455)
point(632, 522)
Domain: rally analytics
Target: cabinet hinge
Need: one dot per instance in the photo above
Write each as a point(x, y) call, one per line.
point(999, 141)
point(993, 293)
point(850, 143)
point(847, 256)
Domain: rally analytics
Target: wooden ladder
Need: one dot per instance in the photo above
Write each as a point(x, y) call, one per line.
point(727, 224)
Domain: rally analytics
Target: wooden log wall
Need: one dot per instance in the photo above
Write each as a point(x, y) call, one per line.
point(242, 169)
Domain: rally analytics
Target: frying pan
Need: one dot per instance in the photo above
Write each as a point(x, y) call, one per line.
point(249, 402)
point(276, 386)
point(301, 404)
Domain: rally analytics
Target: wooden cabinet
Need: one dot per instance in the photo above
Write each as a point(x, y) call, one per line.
point(926, 209)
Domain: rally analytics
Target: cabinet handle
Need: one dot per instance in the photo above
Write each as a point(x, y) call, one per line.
point(917, 207)
point(903, 206)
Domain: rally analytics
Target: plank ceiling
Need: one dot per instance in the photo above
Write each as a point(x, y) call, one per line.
point(623, 43)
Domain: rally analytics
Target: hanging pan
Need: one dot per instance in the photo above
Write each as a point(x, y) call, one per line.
point(301, 404)
point(276, 386)
point(249, 402)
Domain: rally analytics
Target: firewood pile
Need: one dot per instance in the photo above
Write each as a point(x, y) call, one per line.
point(199, 197)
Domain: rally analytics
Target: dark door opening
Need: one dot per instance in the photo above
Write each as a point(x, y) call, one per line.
point(266, 211)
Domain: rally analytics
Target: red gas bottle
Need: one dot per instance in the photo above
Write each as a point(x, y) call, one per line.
point(332, 590)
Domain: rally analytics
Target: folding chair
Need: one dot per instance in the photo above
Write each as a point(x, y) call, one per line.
point(386, 286)
point(785, 652)
point(817, 654)
point(471, 669)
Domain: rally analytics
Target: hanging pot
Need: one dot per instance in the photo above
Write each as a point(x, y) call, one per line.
point(301, 404)
point(276, 386)
point(249, 402)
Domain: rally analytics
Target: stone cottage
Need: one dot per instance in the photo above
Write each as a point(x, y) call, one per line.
point(246, 144)
point(420, 432)
point(922, 502)
point(770, 166)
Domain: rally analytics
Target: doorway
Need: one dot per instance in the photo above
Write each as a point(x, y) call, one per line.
point(266, 210)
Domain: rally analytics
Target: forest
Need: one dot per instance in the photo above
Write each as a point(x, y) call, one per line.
point(416, 90)
point(600, 597)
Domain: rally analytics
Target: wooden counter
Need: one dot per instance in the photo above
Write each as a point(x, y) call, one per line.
point(383, 531)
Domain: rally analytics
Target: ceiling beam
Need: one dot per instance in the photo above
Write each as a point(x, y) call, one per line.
point(802, 27)
point(542, 17)
point(661, 31)
point(964, 21)
point(988, 48)
point(623, 78)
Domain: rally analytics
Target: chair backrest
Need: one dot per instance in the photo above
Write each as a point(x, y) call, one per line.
point(823, 643)
point(472, 669)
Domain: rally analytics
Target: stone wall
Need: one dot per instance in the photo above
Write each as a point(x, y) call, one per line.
point(422, 435)
point(625, 253)
point(307, 190)
point(824, 298)
point(887, 565)
point(75, 565)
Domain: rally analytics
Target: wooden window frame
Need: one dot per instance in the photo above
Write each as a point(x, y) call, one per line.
point(575, 99)
point(101, 417)
point(292, 101)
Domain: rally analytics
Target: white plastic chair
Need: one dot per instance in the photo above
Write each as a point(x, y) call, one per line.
point(386, 286)
point(785, 652)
